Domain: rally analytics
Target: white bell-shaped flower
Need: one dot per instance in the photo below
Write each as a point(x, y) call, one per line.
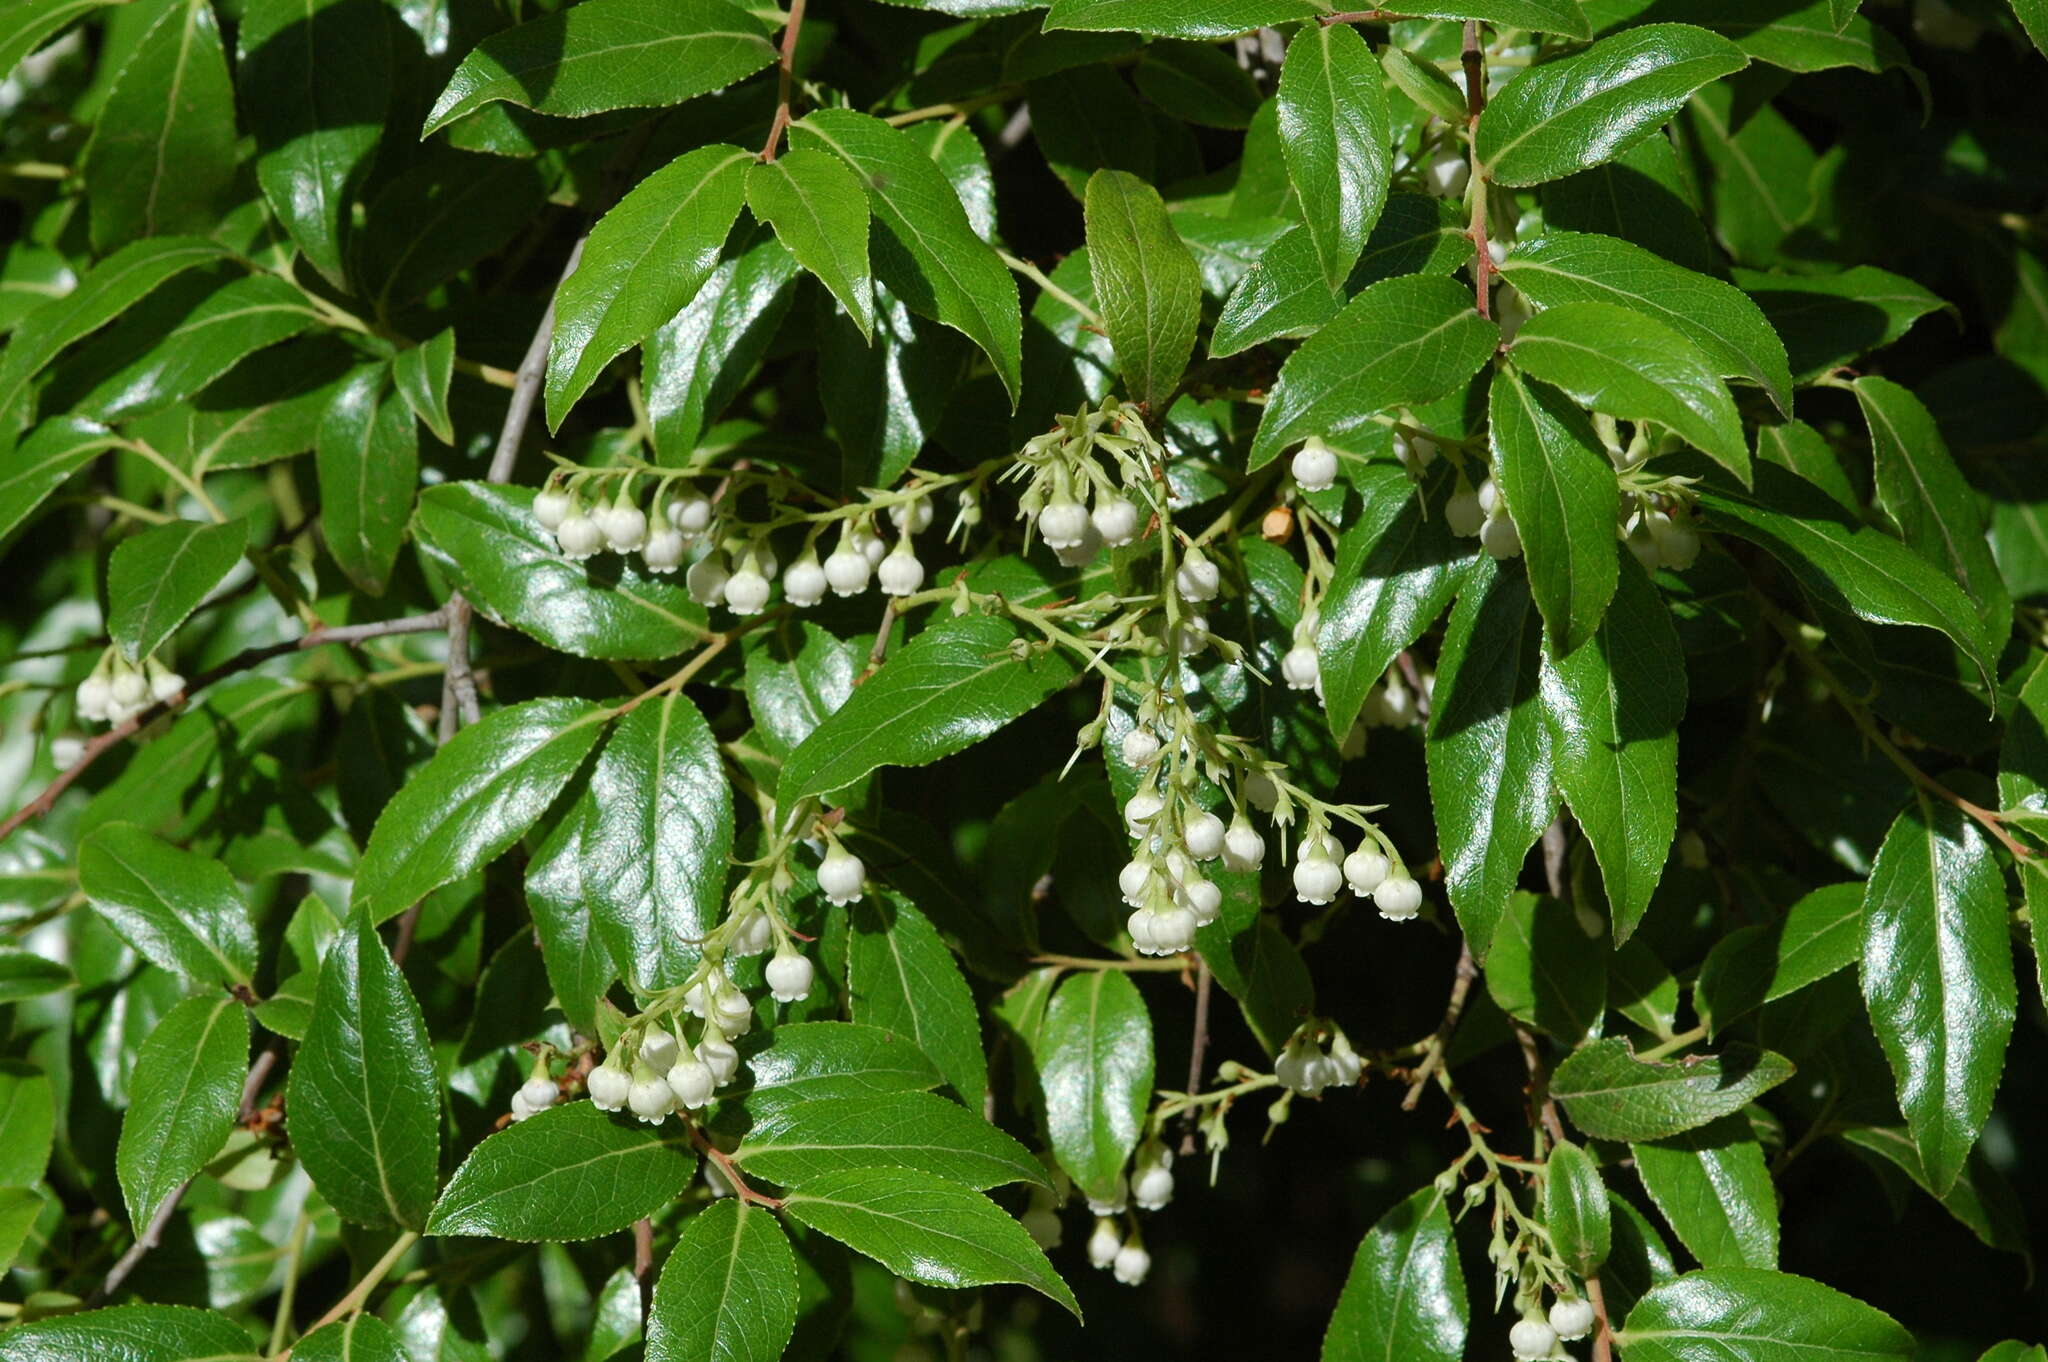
point(841, 875)
point(901, 574)
point(1315, 465)
point(789, 977)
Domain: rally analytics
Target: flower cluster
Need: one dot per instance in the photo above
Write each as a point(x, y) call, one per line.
point(1075, 498)
point(1536, 1335)
point(118, 690)
point(1306, 1067)
point(537, 1093)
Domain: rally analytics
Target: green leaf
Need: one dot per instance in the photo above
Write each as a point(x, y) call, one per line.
point(795, 685)
point(643, 262)
point(1559, 485)
point(1542, 969)
point(180, 910)
point(1756, 174)
point(1629, 365)
point(128, 1333)
point(1751, 966)
point(363, 1094)
point(1740, 1314)
point(1198, 83)
point(55, 450)
point(1545, 16)
point(479, 794)
point(1146, 284)
point(1336, 136)
point(728, 1292)
point(1926, 496)
point(1830, 319)
point(1612, 1095)
point(608, 54)
point(157, 578)
point(182, 1099)
point(484, 538)
point(359, 1338)
point(1164, 19)
point(1405, 1294)
point(1405, 340)
point(162, 153)
point(1575, 1209)
point(20, 1207)
point(1722, 320)
point(1712, 1186)
point(1397, 568)
point(109, 289)
point(902, 978)
point(1938, 978)
point(1578, 112)
point(34, 22)
point(28, 1123)
point(1094, 1057)
point(367, 458)
point(926, 253)
point(570, 1172)
point(885, 396)
point(1640, 196)
point(1614, 708)
point(1424, 82)
point(2033, 16)
point(185, 344)
point(926, 1229)
point(797, 1143)
point(696, 363)
point(1842, 562)
point(656, 833)
point(422, 375)
point(2023, 756)
point(316, 82)
point(813, 1061)
point(820, 212)
point(1980, 1199)
point(953, 685)
point(24, 974)
point(1490, 748)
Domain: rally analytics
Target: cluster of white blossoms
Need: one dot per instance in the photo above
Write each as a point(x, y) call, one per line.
point(1123, 1255)
point(1306, 1067)
point(118, 690)
point(735, 565)
point(1662, 537)
point(1075, 504)
point(1323, 869)
point(1482, 512)
point(1536, 1335)
point(537, 1093)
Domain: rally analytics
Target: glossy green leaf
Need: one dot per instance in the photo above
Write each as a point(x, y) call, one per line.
point(1629, 365)
point(157, 578)
point(819, 210)
point(2033, 16)
point(608, 54)
point(1397, 569)
point(1640, 196)
point(1405, 1294)
point(1335, 133)
point(1830, 319)
point(1842, 562)
point(728, 1292)
point(1490, 748)
point(926, 1229)
point(1611, 1095)
point(1094, 1057)
point(484, 537)
point(698, 360)
point(1980, 1199)
point(1575, 1209)
point(1751, 966)
point(1938, 978)
point(1543, 970)
point(1569, 267)
point(797, 1143)
point(1578, 112)
point(179, 909)
point(644, 260)
point(128, 1333)
point(1559, 485)
point(902, 978)
point(1926, 496)
point(24, 974)
point(422, 375)
point(170, 346)
point(367, 458)
point(479, 794)
point(953, 685)
point(1146, 284)
point(885, 395)
point(20, 1207)
point(162, 154)
point(182, 1099)
point(35, 22)
point(54, 451)
point(1713, 1188)
point(315, 80)
point(1739, 1314)
point(1164, 19)
point(1423, 82)
point(1614, 708)
point(1198, 83)
point(359, 1338)
point(926, 250)
point(656, 832)
point(813, 1061)
point(570, 1172)
point(796, 684)
point(364, 1097)
point(28, 1122)
point(1405, 340)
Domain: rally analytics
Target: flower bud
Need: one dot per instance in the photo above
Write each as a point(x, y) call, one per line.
point(1103, 1243)
point(1243, 848)
point(1134, 881)
point(847, 570)
point(1315, 465)
point(1317, 878)
point(719, 1056)
point(1398, 897)
point(912, 517)
point(841, 875)
point(1499, 537)
point(731, 1011)
point(706, 578)
point(751, 935)
point(692, 1082)
point(663, 551)
point(1364, 869)
point(789, 977)
point(1531, 1339)
point(1197, 578)
point(609, 1084)
point(900, 573)
point(649, 1097)
point(1488, 495)
point(1449, 173)
point(1043, 1225)
point(95, 697)
point(1572, 1318)
point(803, 586)
point(746, 591)
point(551, 507)
point(658, 1048)
point(1116, 520)
point(691, 514)
point(1203, 899)
point(1463, 515)
point(626, 529)
point(1063, 524)
point(1140, 745)
point(128, 689)
point(1132, 1263)
point(1301, 668)
point(1139, 811)
point(539, 1092)
point(1203, 836)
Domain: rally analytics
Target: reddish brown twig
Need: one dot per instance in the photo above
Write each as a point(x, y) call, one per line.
point(785, 76)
